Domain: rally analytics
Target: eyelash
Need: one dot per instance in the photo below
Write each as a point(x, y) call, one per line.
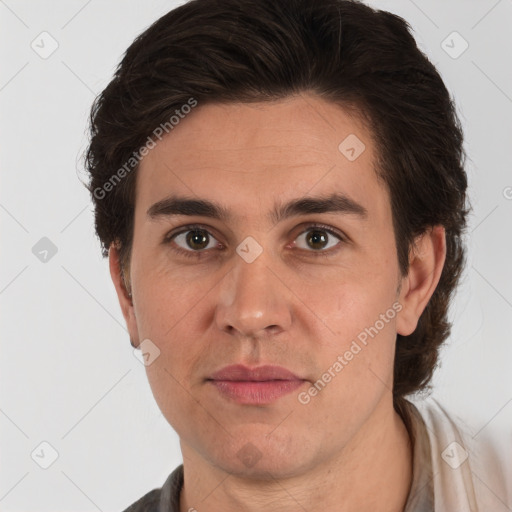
point(200, 254)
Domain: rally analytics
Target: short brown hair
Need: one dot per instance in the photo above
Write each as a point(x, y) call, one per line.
point(259, 50)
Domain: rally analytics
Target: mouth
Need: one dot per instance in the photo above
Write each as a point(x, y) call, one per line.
point(257, 386)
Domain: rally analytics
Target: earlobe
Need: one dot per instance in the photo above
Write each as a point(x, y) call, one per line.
point(426, 263)
point(123, 295)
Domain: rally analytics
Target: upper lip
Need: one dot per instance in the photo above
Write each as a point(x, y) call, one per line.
point(240, 372)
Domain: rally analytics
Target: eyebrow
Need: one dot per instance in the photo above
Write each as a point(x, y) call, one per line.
point(334, 203)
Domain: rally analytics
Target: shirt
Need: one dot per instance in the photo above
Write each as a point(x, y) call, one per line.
point(453, 471)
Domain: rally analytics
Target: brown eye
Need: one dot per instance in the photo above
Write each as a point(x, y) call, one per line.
point(193, 239)
point(318, 239)
point(197, 239)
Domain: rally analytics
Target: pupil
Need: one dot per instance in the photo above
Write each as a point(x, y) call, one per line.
point(317, 237)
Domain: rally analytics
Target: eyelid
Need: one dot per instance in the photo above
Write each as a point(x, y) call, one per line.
point(189, 227)
point(330, 229)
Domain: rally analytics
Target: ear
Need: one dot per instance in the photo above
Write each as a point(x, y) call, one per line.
point(426, 261)
point(125, 300)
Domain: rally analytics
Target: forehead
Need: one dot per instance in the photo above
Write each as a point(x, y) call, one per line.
point(251, 157)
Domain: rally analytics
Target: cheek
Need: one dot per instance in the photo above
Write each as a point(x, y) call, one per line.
point(172, 316)
point(352, 304)
point(174, 376)
point(356, 370)
point(357, 352)
point(173, 398)
point(167, 297)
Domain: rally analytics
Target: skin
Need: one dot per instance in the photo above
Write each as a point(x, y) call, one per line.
point(347, 449)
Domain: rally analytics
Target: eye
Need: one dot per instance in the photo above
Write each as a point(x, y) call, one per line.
point(317, 237)
point(192, 241)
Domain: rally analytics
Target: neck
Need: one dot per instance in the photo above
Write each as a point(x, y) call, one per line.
point(372, 472)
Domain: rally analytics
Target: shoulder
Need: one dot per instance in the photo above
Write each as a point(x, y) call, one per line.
point(165, 498)
point(472, 467)
point(148, 503)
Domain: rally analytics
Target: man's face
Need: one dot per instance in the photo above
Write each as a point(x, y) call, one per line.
point(210, 298)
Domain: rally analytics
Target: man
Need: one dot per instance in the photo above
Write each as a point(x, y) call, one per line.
point(280, 189)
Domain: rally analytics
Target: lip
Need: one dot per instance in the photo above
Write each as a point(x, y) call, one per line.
point(256, 386)
point(240, 372)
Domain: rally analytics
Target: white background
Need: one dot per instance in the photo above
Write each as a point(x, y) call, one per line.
point(68, 373)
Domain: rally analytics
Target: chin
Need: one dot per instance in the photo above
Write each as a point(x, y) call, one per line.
point(262, 457)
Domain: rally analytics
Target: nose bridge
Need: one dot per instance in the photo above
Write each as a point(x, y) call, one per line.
point(252, 299)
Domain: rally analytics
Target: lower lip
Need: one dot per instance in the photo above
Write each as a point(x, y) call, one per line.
point(252, 392)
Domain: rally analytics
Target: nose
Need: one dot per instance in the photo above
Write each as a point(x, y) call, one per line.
point(253, 300)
